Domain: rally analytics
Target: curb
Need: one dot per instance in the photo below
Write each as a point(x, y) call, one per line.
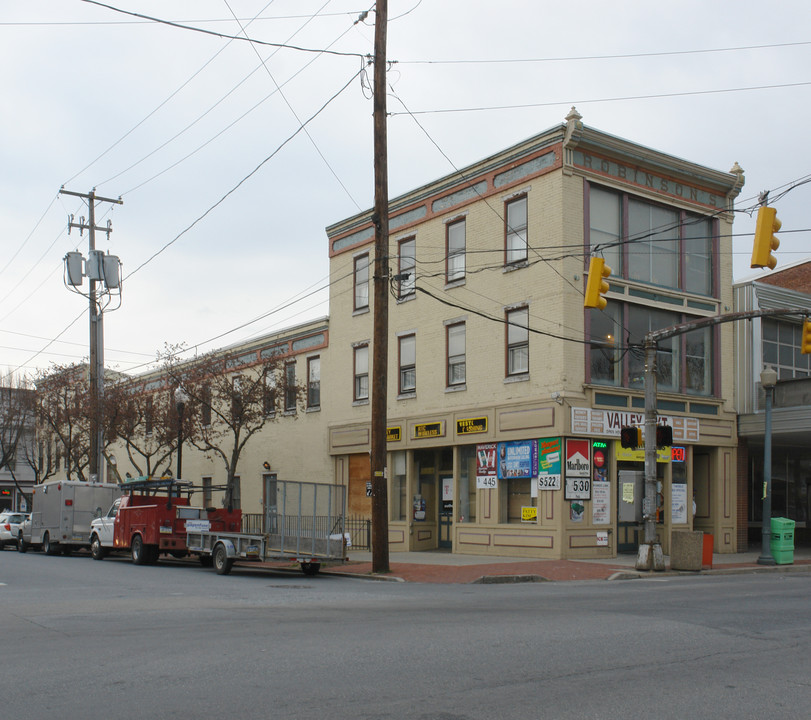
point(746, 570)
point(501, 579)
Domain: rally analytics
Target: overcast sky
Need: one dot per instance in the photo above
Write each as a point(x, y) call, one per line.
point(173, 120)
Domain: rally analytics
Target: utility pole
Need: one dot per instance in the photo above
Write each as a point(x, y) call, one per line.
point(96, 379)
point(650, 555)
point(380, 338)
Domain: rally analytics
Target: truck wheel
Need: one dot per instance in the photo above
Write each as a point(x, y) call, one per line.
point(310, 568)
point(222, 563)
point(22, 546)
point(48, 547)
point(138, 551)
point(206, 561)
point(152, 553)
point(96, 550)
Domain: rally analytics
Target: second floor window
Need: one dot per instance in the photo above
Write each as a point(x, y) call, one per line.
point(206, 406)
point(408, 364)
point(361, 373)
point(684, 363)
point(407, 265)
point(269, 393)
point(456, 354)
point(517, 341)
point(781, 348)
point(516, 231)
point(455, 251)
point(314, 382)
point(362, 282)
point(290, 387)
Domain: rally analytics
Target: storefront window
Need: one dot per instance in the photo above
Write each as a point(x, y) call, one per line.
point(514, 493)
point(398, 502)
point(467, 484)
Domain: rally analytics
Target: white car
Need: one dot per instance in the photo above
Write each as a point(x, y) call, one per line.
point(10, 526)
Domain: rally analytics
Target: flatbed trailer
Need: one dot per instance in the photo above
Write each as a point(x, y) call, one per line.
point(303, 522)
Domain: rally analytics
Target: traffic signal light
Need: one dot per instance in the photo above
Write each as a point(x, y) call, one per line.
point(631, 437)
point(664, 436)
point(765, 239)
point(597, 286)
point(805, 345)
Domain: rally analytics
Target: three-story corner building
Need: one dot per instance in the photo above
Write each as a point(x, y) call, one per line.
point(506, 397)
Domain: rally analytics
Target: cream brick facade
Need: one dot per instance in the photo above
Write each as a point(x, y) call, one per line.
point(553, 171)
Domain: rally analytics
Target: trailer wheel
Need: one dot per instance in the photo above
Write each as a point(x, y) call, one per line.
point(48, 547)
point(310, 568)
point(222, 563)
point(138, 551)
point(96, 550)
point(22, 546)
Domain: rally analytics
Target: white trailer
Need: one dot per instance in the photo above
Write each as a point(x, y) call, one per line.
point(62, 511)
point(304, 523)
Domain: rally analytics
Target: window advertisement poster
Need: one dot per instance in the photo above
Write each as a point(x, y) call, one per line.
point(517, 459)
point(678, 503)
point(601, 502)
point(549, 463)
point(486, 466)
point(578, 470)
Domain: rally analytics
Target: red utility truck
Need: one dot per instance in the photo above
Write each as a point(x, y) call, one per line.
point(152, 517)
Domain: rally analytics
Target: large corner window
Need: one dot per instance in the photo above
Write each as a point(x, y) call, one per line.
point(651, 243)
point(515, 230)
point(684, 363)
point(604, 349)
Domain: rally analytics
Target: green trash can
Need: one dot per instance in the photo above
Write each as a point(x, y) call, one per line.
point(782, 541)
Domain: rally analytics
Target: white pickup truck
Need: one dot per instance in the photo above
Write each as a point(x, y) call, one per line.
point(102, 530)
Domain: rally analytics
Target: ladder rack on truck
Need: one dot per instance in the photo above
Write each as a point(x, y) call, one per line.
point(303, 522)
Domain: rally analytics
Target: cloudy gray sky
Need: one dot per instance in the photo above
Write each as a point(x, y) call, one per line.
point(176, 122)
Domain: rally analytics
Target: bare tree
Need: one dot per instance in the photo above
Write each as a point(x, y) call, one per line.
point(147, 427)
point(17, 426)
point(230, 402)
point(65, 410)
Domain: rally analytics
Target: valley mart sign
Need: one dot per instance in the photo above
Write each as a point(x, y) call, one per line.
point(607, 423)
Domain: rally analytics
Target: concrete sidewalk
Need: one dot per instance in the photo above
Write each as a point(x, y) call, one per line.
point(444, 567)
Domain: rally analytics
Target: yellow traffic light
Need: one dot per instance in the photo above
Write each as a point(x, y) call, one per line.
point(765, 239)
point(805, 345)
point(597, 286)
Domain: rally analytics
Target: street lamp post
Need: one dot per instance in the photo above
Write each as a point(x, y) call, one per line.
point(181, 398)
point(768, 379)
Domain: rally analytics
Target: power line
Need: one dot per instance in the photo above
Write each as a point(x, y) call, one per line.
point(600, 100)
point(619, 56)
point(224, 36)
point(244, 179)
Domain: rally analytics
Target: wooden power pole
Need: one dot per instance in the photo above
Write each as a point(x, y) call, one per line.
point(380, 338)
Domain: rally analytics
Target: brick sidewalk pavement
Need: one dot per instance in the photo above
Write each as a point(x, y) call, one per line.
point(536, 571)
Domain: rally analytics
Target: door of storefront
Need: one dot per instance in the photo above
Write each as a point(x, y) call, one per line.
point(630, 488)
point(446, 513)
